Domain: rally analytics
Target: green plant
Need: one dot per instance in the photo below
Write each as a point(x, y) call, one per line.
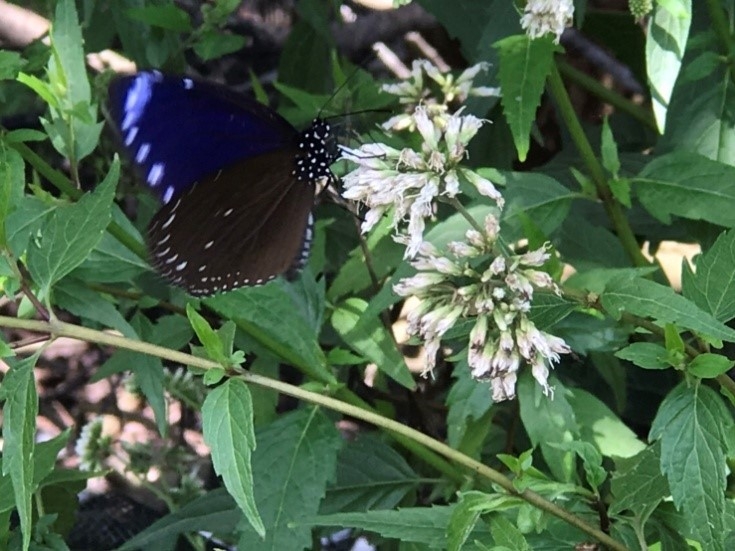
point(626, 441)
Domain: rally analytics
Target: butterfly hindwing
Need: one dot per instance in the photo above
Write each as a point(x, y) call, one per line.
point(245, 234)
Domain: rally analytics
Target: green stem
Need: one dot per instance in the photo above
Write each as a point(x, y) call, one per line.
point(721, 27)
point(466, 214)
point(59, 328)
point(608, 96)
point(612, 207)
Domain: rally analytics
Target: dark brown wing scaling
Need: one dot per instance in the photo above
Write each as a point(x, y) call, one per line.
point(224, 233)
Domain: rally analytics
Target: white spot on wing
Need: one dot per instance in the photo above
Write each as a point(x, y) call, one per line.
point(142, 153)
point(181, 266)
point(155, 174)
point(168, 222)
point(209, 244)
point(130, 136)
point(168, 195)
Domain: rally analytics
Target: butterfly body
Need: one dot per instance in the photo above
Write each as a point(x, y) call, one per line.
point(236, 181)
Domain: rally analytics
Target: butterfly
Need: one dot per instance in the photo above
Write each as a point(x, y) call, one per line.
point(235, 180)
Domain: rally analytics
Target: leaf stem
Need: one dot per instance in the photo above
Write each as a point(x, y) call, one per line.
point(612, 206)
point(59, 328)
point(610, 97)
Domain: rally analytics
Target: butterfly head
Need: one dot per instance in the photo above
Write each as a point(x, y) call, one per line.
point(317, 151)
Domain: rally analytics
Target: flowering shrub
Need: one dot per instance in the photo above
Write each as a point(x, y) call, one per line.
point(486, 349)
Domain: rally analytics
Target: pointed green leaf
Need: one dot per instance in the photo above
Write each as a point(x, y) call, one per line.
point(19, 431)
point(270, 316)
point(646, 298)
point(367, 336)
point(12, 182)
point(638, 483)
point(164, 16)
point(691, 424)
point(666, 41)
point(688, 185)
point(647, 355)
point(712, 287)
point(524, 65)
point(207, 336)
point(709, 366)
point(71, 233)
point(295, 459)
point(227, 419)
point(507, 535)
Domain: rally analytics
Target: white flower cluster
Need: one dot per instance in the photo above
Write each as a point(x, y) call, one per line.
point(415, 91)
point(410, 181)
point(92, 447)
point(541, 17)
point(498, 296)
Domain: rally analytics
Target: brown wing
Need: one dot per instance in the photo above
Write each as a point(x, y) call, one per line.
point(244, 225)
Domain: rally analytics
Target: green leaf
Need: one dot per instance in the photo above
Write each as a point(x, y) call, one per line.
point(46, 454)
point(71, 233)
point(227, 420)
point(67, 41)
point(80, 300)
point(646, 355)
point(691, 424)
point(214, 512)
point(688, 185)
point(43, 89)
point(507, 534)
point(166, 16)
point(666, 41)
point(424, 525)
point(214, 44)
point(600, 426)
point(25, 222)
point(591, 458)
point(367, 336)
point(19, 429)
point(464, 518)
point(548, 422)
point(295, 460)
point(638, 484)
point(712, 288)
point(213, 376)
point(549, 308)
point(10, 64)
point(207, 336)
point(111, 262)
point(530, 196)
point(524, 65)
point(702, 107)
point(25, 135)
point(587, 247)
point(467, 400)
point(370, 476)
point(12, 183)
point(709, 366)
point(72, 127)
point(261, 311)
point(149, 376)
point(609, 149)
point(642, 297)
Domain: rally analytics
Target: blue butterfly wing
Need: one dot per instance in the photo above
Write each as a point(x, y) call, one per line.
point(178, 131)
